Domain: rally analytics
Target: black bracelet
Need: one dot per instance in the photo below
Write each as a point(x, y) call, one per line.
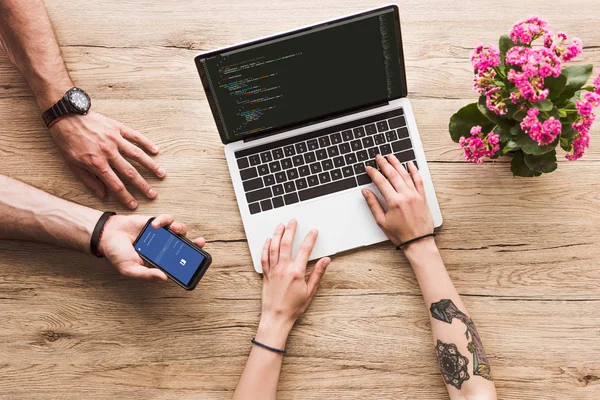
point(97, 234)
point(264, 346)
point(399, 247)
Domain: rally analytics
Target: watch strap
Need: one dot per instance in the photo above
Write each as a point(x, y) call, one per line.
point(57, 111)
point(97, 233)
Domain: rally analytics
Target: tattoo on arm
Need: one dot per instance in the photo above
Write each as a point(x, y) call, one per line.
point(452, 364)
point(445, 311)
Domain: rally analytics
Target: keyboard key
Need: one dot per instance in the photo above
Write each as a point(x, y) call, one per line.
point(321, 154)
point(275, 166)
point(363, 179)
point(324, 177)
point(304, 170)
point(263, 169)
point(278, 154)
point(327, 165)
point(391, 136)
point(350, 158)
point(243, 163)
point(266, 205)
point(315, 168)
point(380, 139)
point(373, 151)
point(313, 180)
point(291, 198)
point(312, 144)
point(301, 148)
point(385, 149)
point(322, 190)
point(266, 157)
point(301, 184)
point(339, 162)
point(382, 126)
point(371, 129)
point(289, 187)
point(359, 132)
point(336, 138)
point(292, 174)
point(336, 174)
point(254, 208)
point(269, 180)
point(310, 157)
point(258, 195)
point(347, 136)
point(278, 202)
point(249, 173)
point(371, 163)
point(289, 151)
point(359, 168)
point(254, 159)
point(401, 145)
point(397, 122)
point(253, 184)
point(298, 160)
point(280, 177)
point(416, 165)
point(368, 142)
point(356, 145)
point(286, 163)
point(362, 155)
point(405, 156)
point(347, 171)
point(345, 148)
point(277, 190)
point(402, 133)
point(333, 151)
point(324, 141)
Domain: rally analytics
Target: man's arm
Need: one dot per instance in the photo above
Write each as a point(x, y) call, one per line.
point(94, 147)
point(462, 361)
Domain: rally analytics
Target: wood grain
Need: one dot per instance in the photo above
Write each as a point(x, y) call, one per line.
point(523, 253)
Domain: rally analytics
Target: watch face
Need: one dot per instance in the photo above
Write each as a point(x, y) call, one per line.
point(79, 100)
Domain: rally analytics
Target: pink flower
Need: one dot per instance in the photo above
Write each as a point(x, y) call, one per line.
point(573, 50)
point(582, 126)
point(484, 80)
point(543, 133)
point(597, 84)
point(494, 101)
point(583, 107)
point(479, 145)
point(593, 98)
point(528, 30)
point(536, 64)
point(484, 59)
point(531, 89)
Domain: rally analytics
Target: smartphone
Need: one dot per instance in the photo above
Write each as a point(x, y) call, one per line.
point(176, 256)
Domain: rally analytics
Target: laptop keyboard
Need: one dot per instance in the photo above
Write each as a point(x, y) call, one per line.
point(322, 162)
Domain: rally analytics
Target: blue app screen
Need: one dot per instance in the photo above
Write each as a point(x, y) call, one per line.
point(169, 252)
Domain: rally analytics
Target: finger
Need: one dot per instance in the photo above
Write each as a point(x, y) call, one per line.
point(306, 248)
point(163, 220)
point(285, 249)
point(135, 153)
point(264, 259)
point(179, 228)
point(384, 186)
point(134, 136)
point(317, 273)
point(90, 180)
point(199, 242)
point(142, 272)
point(416, 177)
point(390, 173)
point(275, 242)
point(116, 186)
point(127, 170)
point(375, 206)
point(404, 174)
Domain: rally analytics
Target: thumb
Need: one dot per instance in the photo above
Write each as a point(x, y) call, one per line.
point(317, 273)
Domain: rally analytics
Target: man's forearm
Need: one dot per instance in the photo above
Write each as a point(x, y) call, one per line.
point(28, 213)
point(462, 361)
point(28, 39)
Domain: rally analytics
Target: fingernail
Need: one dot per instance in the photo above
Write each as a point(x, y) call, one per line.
point(292, 221)
point(151, 193)
point(176, 226)
point(161, 172)
point(326, 262)
point(155, 149)
point(411, 163)
point(364, 193)
point(314, 231)
point(393, 157)
point(378, 156)
point(132, 204)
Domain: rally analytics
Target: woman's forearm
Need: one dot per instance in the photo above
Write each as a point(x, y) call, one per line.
point(27, 213)
point(462, 361)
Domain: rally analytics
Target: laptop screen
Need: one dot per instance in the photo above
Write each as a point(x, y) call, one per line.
point(305, 76)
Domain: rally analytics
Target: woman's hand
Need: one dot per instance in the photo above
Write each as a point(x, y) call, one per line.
point(117, 240)
point(286, 292)
point(408, 214)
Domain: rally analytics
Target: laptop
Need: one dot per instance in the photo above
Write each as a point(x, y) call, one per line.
point(301, 114)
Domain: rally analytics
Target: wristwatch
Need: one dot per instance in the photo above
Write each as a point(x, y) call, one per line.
point(75, 101)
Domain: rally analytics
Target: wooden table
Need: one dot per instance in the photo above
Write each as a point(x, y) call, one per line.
point(523, 253)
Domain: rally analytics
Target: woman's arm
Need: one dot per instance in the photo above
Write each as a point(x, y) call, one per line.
point(462, 361)
point(286, 294)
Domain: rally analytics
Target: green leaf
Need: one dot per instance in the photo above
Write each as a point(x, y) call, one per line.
point(544, 105)
point(504, 134)
point(519, 168)
point(543, 163)
point(511, 145)
point(505, 44)
point(562, 113)
point(519, 115)
point(566, 144)
point(577, 76)
point(466, 118)
point(530, 146)
point(556, 85)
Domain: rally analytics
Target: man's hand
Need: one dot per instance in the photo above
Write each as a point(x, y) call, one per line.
point(117, 240)
point(96, 147)
point(408, 214)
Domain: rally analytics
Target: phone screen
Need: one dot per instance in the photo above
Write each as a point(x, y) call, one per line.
point(170, 253)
